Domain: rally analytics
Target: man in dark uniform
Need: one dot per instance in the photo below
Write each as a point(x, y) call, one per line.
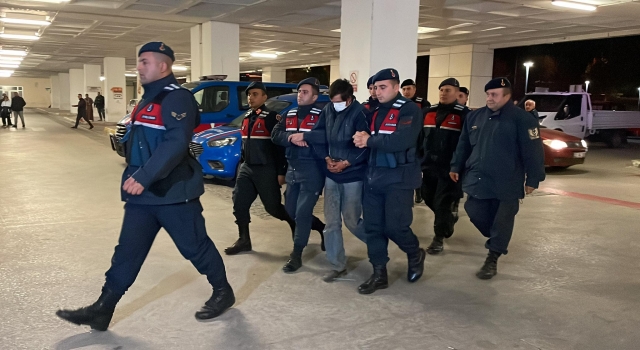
point(82, 112)
point(161, 186)
point(393, 172)
point(262, 170)
point(372, 103)
point(304, 139)
point(99, 103)
point(499, 150)
point(463, 96)
point(442, 126)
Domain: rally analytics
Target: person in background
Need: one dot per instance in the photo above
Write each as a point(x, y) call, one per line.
point(463, 96)
point(5, 112)
point(17, 107)
point(99, 103)
point(89, 101)
point(372, 103)
point(530, 106)
point(82, 112)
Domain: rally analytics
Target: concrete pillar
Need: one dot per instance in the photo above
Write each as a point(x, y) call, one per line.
point(334, 71)
point(76, 86)
point(115, 86)
point(472, 65)
point(55, 91)
point(378, 34)
point(92, 81)
point(139, 88)
point(221, 49)
point(274, 75)
point(196, 52)
point(65, 102)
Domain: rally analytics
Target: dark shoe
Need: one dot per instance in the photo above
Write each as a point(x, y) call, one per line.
point(333, 275)
point(418, 196)
point(74, 127)
point(91, 127)
point(436, 246)
point(377, 281)
point(294, 263)
point(97, 316)
point(15, 126)
point(243, 244)
point(490, 267)
point(221, 300)
point(416, 266)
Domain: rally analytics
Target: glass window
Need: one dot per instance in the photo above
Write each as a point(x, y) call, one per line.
point(570, 108)
point(213, 98)
point(545, 103)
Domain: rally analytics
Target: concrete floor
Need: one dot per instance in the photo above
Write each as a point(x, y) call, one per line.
point(571, 280)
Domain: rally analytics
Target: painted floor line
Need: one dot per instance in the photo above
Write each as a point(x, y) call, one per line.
point(590, 197)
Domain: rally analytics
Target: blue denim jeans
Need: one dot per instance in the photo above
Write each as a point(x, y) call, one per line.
point(341, 202)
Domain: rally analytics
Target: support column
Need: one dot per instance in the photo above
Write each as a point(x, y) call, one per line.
point(76, 86)
point(196, 52)
point(92, 81)
point(274, 75)
point(378, 34)
point(115, 86)
point(65, 102)
point(334, 71)
point(55, 91)
point(221, 49)
point(472, 65)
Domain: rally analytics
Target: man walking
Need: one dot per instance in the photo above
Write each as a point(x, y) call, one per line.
point(99, 103)
point(17, 107)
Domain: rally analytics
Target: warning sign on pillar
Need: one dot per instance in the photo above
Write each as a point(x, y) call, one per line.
point(353, 79)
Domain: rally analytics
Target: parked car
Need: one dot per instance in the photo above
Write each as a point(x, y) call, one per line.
point(562, 150)
point(218, 149)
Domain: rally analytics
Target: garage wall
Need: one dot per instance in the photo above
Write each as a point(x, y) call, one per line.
point(35, 93)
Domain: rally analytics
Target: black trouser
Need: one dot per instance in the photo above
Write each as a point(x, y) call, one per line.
point(305, 180)
point(254, 180)
point(442, 196)
point(388, 214)
point(184, 223)
point(6, 120)
point(101, 113)
point(82, 116)
point(494, 218)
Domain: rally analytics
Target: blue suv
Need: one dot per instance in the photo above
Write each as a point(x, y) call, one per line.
point(218, 149)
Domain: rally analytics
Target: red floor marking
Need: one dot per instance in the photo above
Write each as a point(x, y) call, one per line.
point(589, 197)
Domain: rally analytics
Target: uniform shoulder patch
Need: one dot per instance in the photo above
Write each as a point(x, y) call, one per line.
point(278, 117)
point(179, 116)
point(534, 133)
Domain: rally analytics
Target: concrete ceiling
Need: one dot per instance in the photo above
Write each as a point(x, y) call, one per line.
point(85, 31)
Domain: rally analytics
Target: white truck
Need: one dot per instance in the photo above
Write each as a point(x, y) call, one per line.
point(573, 113)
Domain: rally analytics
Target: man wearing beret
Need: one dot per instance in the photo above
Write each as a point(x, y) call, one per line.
point(501, 156)
point(408, 87)
point(372, 103)
point(302, 133)
point(442, 126)
point(262, 169)
point(161, 186)
point(463, 96)
point(392, 174)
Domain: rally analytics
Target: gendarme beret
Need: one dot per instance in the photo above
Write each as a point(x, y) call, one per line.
point(386, 74)
point(497, 83)
point(464, 90)
point(159, 47)
point(311, 81)
point(255, 85)
point(407, 82)
point(450, 81)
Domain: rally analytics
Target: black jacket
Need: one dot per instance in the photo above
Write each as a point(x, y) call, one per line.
point(441, 132)
point(499, 152)
point(393, 162)
point(82, 107)
point(257, 146)
point(17, 103)
point(99, 101)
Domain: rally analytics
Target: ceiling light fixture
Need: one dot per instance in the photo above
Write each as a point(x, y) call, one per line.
point(424, 30)
point(574, 5)
point(13, 52)
point(180, 68)
point(24, 21)
point(264, 55)
point(54, 1)
point(102, 78)
point(9, 62)
point(130, 75)
point(4, 65)
point(494, 28)
point(9, 58)
point(337, 30)
point(461, 25)
point(19, 36)
point(5, 73)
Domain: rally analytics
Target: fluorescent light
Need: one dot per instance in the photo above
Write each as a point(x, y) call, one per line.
point(528, 64)
point(13, 52)
point(13, 63)
point(264, 55)
point(461, 25)
point(19, 36)
point(424, 30)
point(54, 1)
point(180, 68)
point(24, 21)
point(337, 30)
point(5, 73)
point(102, 78)
point(9, 65)
point(574, 5)
point(8, 58)
point(494, 28)
point(130, 75)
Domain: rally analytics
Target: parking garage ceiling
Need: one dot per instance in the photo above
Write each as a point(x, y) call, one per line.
point(302, 32)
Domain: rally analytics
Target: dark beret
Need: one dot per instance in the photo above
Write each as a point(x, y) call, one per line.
point(311, 81)
point(407, 83)
point(450, 81)
point(497, 83)
point(255, 85)
point(464, 90)
point(159, 47)
point(386, 74)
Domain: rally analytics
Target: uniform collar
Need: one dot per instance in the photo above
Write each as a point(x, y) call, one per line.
point(305, 109)
point(259, 109)
point(392, 101)
point(155, 87)
point(508, 106)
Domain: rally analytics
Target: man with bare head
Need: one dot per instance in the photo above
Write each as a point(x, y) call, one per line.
point(530, 106)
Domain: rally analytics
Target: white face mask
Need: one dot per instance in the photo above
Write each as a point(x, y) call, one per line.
point(340, 106)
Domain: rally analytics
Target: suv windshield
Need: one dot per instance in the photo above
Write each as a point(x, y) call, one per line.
point(272, 105)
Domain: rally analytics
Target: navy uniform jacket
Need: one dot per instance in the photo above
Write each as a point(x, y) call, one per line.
point(257, 147)
point(500, 152)
point(393, 159)
point(442, 129)
point(157, 146)
point(370, 105)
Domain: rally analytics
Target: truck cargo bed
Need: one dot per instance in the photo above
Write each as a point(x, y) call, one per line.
point(603, 120)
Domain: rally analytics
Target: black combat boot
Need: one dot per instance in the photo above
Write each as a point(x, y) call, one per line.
point(418, 196)
point(490, 267)
point(243, 244)
point(221, 300)
point(97, 315)
point(377, 281)
point(416, 265)
point(294, 263)
point(436, 246)
point(318, 225)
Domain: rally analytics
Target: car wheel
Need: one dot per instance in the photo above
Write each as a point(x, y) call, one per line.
point(614, 139)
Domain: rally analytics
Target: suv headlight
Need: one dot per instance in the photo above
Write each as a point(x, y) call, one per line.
point(555, 144)
point(221, 142)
